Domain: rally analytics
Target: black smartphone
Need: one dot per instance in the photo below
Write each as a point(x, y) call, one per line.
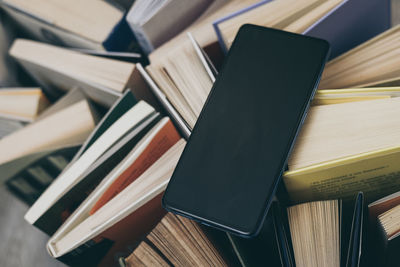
point(238, 149)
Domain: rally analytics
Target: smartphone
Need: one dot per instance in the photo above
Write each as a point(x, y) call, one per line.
point(233, 161)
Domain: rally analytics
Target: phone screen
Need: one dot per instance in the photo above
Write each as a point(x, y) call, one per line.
point(237, 152)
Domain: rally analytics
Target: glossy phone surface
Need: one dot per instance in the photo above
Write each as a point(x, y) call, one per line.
point(237, 152)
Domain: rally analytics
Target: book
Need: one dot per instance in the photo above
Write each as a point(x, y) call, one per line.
point(336, 96)
point(31, 180)
point(126, 122)
point(70, 125)
point(165, 103)
point(126, 218)
point(155, 22)
point(10, 169)
point(357, 20)
point(72, 198)
point(59, 69)
point(202, 29)
point(315, 233)
point(153, 145)
point(70, 98)
point(119, 107)
point(323, 234)
point(382, 205)
point(122, 56)
point(328, 20)
point(22, 104)
point(382, 220)
point(187, 100)
point(288, 15)
point(144, 255)
point(106, 181)
point(359, 152)
point(371, 63)
point(388, 242)
point(185, 129)
point(176, 241)
point(73, 24)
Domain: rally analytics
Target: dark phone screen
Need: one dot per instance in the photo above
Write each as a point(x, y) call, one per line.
point(228, 172)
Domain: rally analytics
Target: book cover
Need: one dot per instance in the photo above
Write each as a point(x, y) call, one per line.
point(375, 173)
point(354, 18)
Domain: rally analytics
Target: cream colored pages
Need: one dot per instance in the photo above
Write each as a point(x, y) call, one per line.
point(92, 19)
point(70, 125)
point(340, 130)
point(315, 233)
point(109, 73)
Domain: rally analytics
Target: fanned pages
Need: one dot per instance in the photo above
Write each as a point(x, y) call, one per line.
point(351, 128)
point(315, 232)
point(102, 79)
point(186, 94)
point(145, 255)
point(373, 62)
point(178, 241)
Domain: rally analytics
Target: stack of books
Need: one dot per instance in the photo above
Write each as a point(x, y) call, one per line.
point(91, 145)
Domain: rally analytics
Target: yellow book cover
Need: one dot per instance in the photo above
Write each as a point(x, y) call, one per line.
point(338, 96)
point(376, 173)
